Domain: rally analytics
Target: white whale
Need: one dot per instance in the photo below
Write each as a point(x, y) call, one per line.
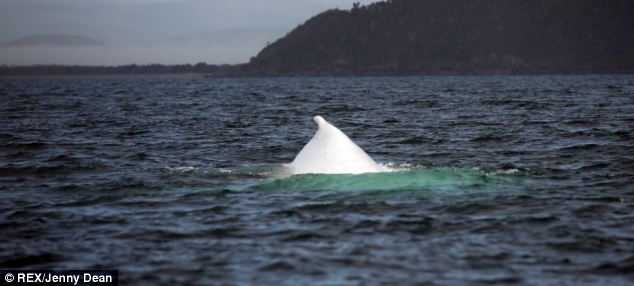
point(330, 151)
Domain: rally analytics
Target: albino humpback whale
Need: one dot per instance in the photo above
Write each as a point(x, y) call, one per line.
point(330, 151)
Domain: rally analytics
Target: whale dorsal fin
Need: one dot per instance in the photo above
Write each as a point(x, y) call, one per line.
point(330, 151)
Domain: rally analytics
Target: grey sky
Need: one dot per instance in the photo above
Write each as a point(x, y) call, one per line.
point(152, 31)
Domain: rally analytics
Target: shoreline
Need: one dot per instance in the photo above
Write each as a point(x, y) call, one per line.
point(104, 76)
point(311, 74)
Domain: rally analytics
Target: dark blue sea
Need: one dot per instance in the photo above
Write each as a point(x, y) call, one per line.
point(511, 180)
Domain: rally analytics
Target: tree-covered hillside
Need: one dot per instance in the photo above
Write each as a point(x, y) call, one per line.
point(458, 36)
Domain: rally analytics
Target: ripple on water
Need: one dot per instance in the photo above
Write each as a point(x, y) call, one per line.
point(506, 180)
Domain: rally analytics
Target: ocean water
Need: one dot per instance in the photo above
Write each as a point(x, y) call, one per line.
point(519, 180)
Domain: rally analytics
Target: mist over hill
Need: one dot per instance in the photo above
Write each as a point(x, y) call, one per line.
point(456, 36)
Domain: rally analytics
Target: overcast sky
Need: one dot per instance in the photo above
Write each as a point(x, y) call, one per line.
point(150, 31)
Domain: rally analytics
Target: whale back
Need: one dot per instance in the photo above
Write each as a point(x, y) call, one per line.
point(330, 151)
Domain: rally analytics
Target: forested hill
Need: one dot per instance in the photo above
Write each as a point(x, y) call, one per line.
point(458, 36)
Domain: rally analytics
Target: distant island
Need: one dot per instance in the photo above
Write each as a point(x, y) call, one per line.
point(419, 37)
point(202, 69)
point(53, 40)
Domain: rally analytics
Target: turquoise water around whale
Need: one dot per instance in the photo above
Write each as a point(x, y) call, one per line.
point(443, 179)
point(512, 180)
